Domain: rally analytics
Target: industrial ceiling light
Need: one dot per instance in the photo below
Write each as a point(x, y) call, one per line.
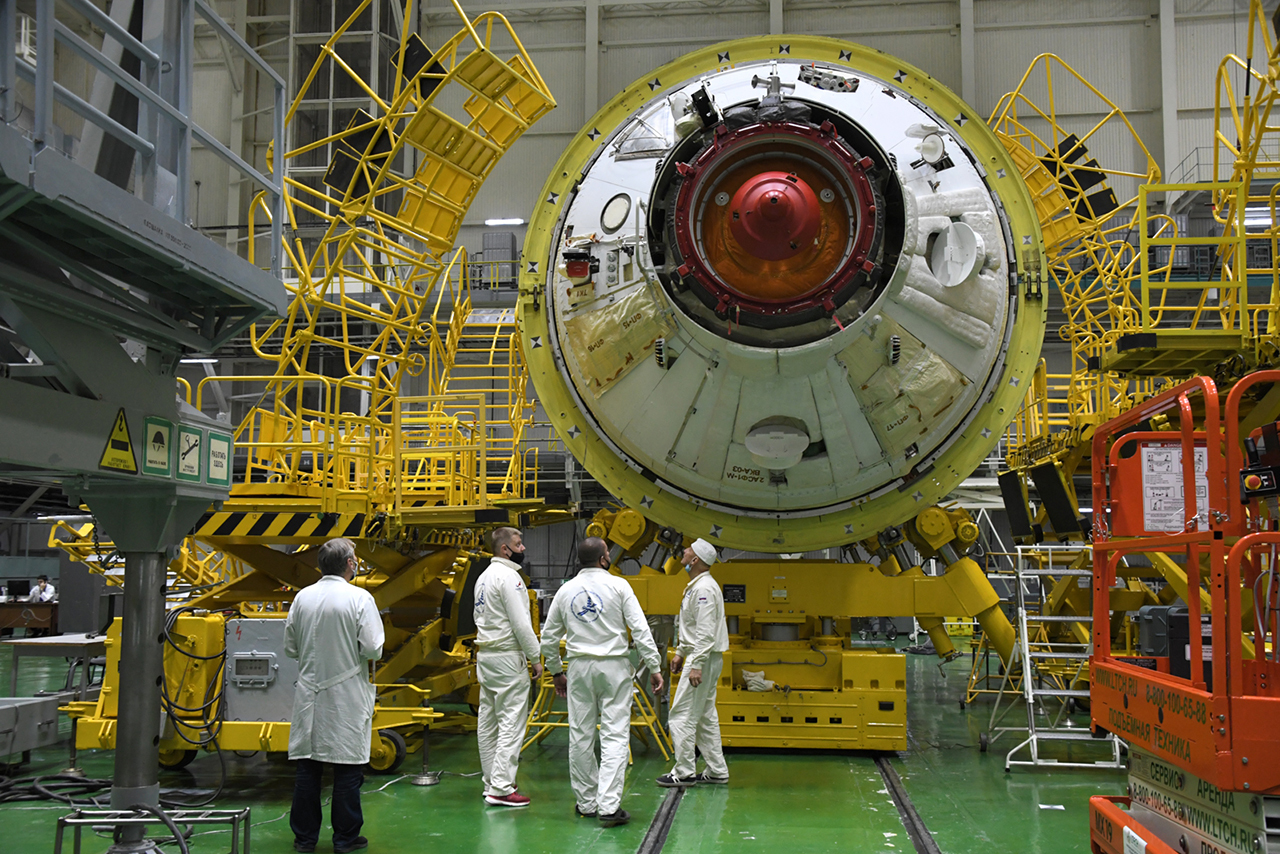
point(514, 220)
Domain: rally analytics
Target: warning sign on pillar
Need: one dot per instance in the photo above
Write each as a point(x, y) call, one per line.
point(157, 450)
point(219, 470)
point(190, 453)
point(118, 454)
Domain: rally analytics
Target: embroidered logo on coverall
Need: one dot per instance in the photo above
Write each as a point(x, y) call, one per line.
point(586, 606)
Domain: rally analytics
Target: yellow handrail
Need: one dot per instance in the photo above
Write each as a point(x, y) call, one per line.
point(364, 290)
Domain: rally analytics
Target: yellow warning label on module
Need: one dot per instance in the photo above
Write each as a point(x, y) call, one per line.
point(118, 454)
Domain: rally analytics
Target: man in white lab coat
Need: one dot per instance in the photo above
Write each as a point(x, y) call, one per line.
point(505, 643)
point(593, 611)
point(334, 630)
point(702, 638)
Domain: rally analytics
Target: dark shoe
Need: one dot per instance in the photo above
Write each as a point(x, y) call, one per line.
point(704, 777)
point(578, 811)
point(305, 849)
point(671, 781)
point(360, 842)
point(615, 819)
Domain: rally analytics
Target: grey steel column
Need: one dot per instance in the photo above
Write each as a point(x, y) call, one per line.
point(137, 772)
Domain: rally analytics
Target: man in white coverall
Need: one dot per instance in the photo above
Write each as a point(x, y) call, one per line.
point(594, 610)
point(702, 640)
point(334, 630)
point(504, 640)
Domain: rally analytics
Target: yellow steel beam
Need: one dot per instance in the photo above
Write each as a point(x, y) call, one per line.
point(827, 588)
point(390, 589)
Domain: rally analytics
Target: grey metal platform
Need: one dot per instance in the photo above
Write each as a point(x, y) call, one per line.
point(62, 214)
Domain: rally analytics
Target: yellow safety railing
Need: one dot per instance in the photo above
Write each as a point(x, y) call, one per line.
point(380, 308)
point(1090, 236)
point(195, 565)
point(443, 453)
point(1218, 305)
point(1129, 317)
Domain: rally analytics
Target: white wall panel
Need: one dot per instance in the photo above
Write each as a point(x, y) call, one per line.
point(1202, 43)
point(1036, 14)
point(1121, 60)
point(924, 34)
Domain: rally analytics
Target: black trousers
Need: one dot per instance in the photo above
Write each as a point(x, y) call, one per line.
point(345, 814)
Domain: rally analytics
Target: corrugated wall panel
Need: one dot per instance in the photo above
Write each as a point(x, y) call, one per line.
point(924, 34)
point(1111, 145)
point(1116, 59)
point(514, 184)
point(1202, 43)
point(1040, 14)
point(1195, 142)
point(632, 46)
point(562, 68)
point(865, 22)
point(630, 24)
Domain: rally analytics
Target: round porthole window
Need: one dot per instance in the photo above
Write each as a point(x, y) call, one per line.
point(614, 214)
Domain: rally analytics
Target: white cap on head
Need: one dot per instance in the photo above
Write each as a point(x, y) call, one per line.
point(705, 551)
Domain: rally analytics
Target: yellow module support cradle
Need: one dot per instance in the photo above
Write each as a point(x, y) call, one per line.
point(825, 696)
point(793, 675)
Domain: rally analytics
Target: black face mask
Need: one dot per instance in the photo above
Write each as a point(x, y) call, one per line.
point(517, 558)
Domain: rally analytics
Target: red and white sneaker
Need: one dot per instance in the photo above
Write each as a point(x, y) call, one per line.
point(484, 795)
point(515, 799)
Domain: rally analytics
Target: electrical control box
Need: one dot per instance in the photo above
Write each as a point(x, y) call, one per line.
point(259, 677)
point(1153, 629)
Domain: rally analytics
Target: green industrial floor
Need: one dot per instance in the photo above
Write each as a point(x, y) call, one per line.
point(810, 803)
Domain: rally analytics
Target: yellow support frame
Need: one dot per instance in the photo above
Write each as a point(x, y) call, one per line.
point(407, 478)
point(1091, 261)
point(305, 450)
point(1226, 331)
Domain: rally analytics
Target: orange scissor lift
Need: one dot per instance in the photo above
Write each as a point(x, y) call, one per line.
point(1205, 766)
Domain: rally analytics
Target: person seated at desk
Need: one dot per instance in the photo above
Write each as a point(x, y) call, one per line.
point(43, 591)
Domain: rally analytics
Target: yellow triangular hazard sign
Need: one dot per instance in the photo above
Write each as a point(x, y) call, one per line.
point(118, 455)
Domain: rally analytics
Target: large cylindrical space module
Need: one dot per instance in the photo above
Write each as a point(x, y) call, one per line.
point(778, 293)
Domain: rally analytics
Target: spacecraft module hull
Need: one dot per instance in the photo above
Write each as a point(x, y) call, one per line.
point(775, 293)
